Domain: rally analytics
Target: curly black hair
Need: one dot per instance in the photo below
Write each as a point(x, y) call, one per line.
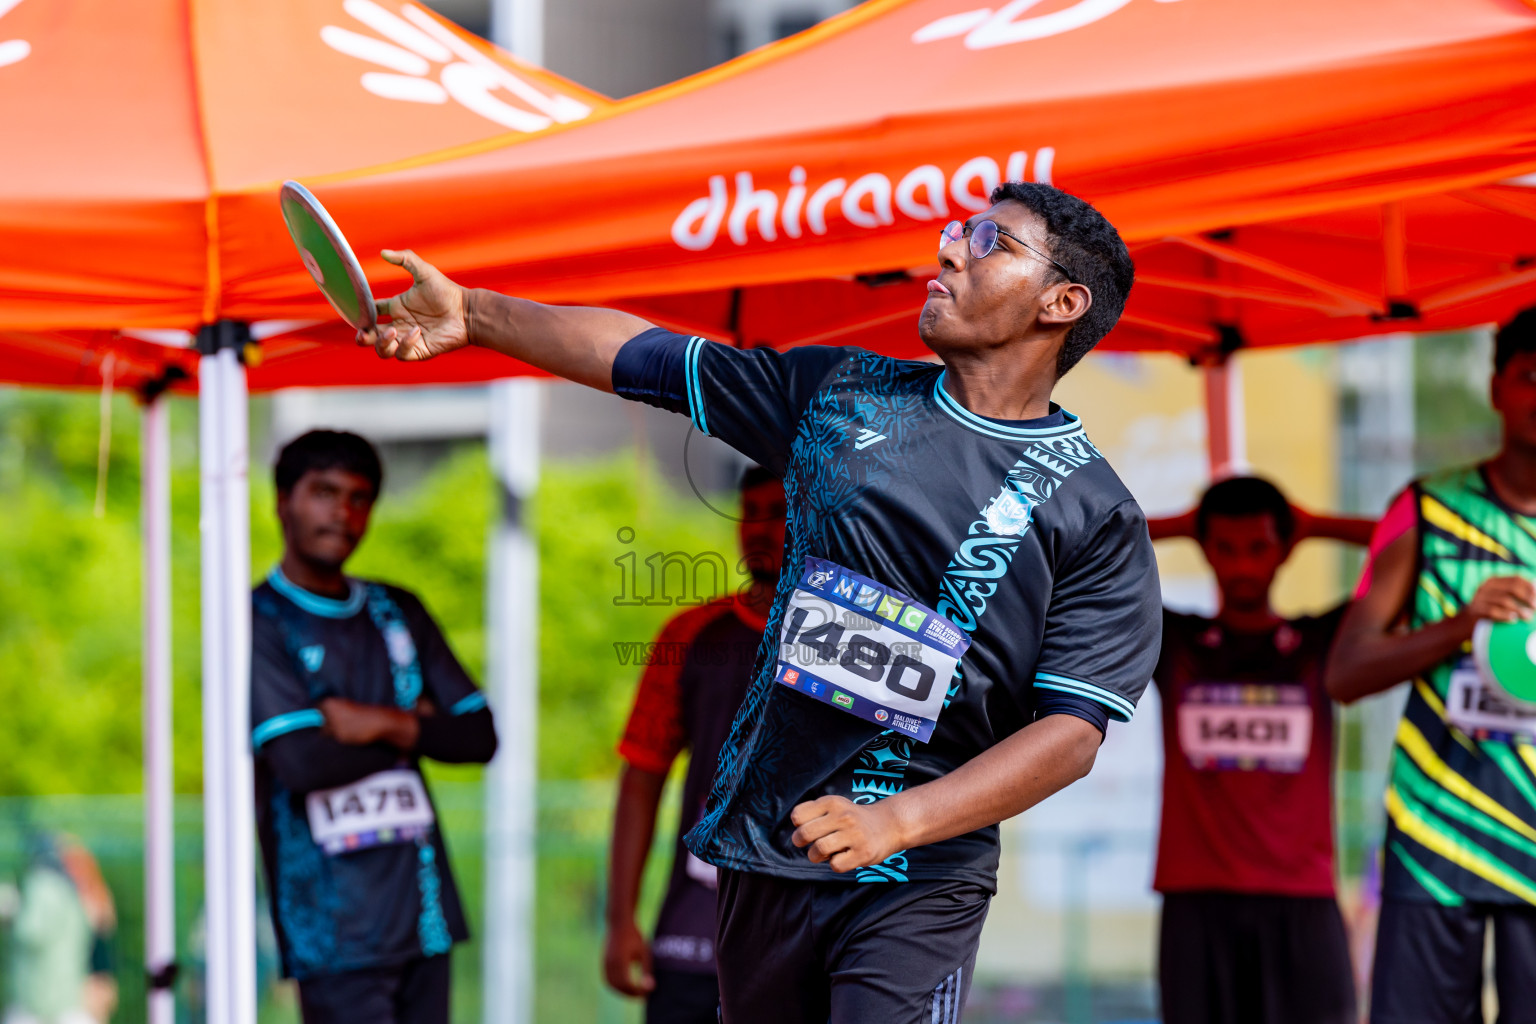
point(1081, 240)
point(320, 450)
point(1515, 337)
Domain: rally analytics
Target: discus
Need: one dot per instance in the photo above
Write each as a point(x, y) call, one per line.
point(327, 256)
point(1506, 658)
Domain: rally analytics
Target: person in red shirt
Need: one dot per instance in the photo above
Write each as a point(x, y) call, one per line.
point(1251, 931)
point(687, 698)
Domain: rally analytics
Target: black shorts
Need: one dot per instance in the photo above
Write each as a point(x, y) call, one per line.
point(1429, 963)
point(1235, 958)
point(835, 952)
point(416, 992)
point(682, 997)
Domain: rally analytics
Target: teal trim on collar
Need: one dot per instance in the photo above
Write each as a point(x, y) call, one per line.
point(315, 604)
point(996, 428)
point(281, 725)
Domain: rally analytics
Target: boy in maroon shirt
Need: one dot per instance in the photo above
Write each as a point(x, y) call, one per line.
point(1251, 931)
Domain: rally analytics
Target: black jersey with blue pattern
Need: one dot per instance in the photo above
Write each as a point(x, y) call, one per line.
point(1019, 533)
point(369, 908)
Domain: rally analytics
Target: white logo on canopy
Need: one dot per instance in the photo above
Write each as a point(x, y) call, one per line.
point(12, 50)
point(429, 64)
point(985, 28)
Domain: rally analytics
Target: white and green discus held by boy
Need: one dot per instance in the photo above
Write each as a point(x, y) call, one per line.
point(1506, 657)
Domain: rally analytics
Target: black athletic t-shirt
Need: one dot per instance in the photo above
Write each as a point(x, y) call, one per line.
point(380, 905)
point(1019, 534)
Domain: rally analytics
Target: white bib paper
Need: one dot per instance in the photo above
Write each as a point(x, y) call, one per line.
point(869, 650)
point(386, 807)
point(1473, 705)
point(1234, 726)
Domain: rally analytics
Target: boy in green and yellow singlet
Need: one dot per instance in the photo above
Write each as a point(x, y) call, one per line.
point(1455, 548)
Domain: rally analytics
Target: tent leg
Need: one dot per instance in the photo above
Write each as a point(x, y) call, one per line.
point(230, 902)
point(517, 26)
point(159, 792)
point(1225, 420)
point(511, 782)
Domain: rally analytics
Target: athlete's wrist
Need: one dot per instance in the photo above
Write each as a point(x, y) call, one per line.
point(902, 822)
point(401, 729)
point(467, 303)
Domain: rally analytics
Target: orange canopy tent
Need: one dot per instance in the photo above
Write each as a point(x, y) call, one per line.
point(126, 126)
point(1286, 171)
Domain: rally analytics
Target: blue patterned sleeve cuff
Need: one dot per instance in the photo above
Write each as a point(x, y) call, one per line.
point(1119, 708)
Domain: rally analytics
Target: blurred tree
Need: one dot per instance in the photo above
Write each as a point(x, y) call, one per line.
point(70, 589)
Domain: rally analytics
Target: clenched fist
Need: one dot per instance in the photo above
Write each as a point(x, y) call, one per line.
point(846, 835)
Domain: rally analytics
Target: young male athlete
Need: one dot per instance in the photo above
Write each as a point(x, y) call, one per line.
point(351, 685)
point(688, 697)
point(1455, 548)
point(968, 595)
point(1251, 931)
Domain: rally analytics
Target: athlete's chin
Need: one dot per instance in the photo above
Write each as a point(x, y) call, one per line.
point(329, 553)
point(937, 330)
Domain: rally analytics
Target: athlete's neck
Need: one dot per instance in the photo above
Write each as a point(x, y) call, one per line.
point(1512, 473)
point(1014, 388)
point(1248, 618)
point(317, 579)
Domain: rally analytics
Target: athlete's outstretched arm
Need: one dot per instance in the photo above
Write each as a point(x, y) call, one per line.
point(1371, 655)
point(435, 315)
point(1045, 756)
point(1306, 525)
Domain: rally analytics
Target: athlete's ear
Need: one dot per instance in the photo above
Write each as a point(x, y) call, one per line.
point(1065, 303)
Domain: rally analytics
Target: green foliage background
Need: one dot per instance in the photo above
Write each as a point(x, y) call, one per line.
point(70, 588)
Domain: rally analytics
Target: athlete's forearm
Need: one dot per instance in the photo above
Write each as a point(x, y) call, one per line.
point(1348, 529)
point(458, 739)
point(1169, 527)
point(1365, 661)
point(308, 760)
point(1038, 760)
point(574, 342)
point(634, 828)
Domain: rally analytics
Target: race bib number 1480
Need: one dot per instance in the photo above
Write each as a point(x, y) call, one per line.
point(869, 650)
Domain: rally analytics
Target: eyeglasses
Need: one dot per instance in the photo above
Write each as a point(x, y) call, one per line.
point(984, 239)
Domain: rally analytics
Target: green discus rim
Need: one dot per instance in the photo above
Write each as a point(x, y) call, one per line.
point(327, 256)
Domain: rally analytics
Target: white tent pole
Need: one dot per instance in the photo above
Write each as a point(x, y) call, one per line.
point(159, 792)
point(216, 811)
point(517, 26)
point(240, 772)
point(513, 682)
point(227, 785)
point(1226, 420)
